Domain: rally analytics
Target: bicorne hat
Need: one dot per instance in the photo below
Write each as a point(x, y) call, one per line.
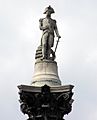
point(50, 9)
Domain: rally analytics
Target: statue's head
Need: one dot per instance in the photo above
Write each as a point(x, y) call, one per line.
point(49, 10)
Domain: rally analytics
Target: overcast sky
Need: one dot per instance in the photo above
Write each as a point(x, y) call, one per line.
point(76, 53)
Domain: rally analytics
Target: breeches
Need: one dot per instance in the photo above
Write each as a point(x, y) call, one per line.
point(48, 40)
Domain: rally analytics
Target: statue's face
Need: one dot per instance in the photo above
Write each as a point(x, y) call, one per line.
point(48, 13)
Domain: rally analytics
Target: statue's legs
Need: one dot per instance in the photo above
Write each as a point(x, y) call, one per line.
point(50, 44)
point(51, 40)
point(45, 45)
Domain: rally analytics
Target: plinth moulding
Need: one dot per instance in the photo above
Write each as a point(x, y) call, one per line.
point(45, 98)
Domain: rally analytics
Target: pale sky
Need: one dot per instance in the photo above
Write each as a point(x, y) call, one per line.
point(76, 53)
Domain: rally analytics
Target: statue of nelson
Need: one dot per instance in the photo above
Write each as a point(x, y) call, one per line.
point(48, 26)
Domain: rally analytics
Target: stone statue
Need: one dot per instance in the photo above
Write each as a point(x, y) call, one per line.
point(48, 26)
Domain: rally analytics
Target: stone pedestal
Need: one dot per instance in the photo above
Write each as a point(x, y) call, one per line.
point(46, 72)
point(46, 98)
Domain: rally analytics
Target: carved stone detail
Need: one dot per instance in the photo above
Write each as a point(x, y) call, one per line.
point(45, 105)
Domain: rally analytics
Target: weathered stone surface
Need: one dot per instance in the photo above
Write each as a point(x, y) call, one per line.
point(46, 103)
point(39, 55)
point(48, 27)
point(46, 72)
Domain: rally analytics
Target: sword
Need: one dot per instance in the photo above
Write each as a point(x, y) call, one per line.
point(57, 44)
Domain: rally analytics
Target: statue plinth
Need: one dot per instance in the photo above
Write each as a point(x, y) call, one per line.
point(46, 72)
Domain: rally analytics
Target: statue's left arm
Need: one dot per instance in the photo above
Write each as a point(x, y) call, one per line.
point(56, 31)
